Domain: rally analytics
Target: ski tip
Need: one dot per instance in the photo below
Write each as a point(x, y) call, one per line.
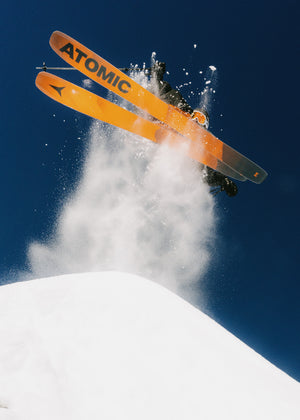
point(57, 33)
point(54, 36)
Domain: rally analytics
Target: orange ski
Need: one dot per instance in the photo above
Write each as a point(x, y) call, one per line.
point(98, 69)
point(94, 106)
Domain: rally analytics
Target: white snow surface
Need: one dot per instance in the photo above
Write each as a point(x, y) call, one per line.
point(113, 346)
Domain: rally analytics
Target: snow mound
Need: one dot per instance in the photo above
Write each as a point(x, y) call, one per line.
point(116, 346)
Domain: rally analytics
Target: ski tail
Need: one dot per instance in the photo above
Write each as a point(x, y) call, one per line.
point(94, 106)
point(224, 153)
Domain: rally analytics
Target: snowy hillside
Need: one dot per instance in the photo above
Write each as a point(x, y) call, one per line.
point(115, 346)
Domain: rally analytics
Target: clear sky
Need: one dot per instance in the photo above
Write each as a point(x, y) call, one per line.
point(253, 284)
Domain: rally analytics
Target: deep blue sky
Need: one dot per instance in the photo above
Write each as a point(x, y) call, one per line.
point(253, 286)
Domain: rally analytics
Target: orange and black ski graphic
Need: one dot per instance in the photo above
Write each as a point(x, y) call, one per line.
point(58, 89)
point(100, 70)
point(94, 106)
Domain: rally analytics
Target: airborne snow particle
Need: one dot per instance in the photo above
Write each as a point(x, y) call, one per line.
point(213, 68)
point(195, 45)
point(87, 83)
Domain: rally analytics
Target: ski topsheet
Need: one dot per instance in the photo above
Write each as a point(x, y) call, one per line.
point(100, 70)
point(93, 105)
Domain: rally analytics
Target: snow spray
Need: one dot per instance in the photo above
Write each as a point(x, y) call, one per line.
point(138, 207)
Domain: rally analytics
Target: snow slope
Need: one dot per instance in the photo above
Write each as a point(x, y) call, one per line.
point(116, 346)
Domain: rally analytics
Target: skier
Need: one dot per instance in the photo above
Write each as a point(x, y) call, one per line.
point(170, 95)
point(173, 97)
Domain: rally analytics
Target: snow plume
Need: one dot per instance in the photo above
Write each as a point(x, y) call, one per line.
point(210, 79)
point(139, 208)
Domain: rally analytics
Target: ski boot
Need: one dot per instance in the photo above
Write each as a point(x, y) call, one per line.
point(219, 182)
point(201, 117)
